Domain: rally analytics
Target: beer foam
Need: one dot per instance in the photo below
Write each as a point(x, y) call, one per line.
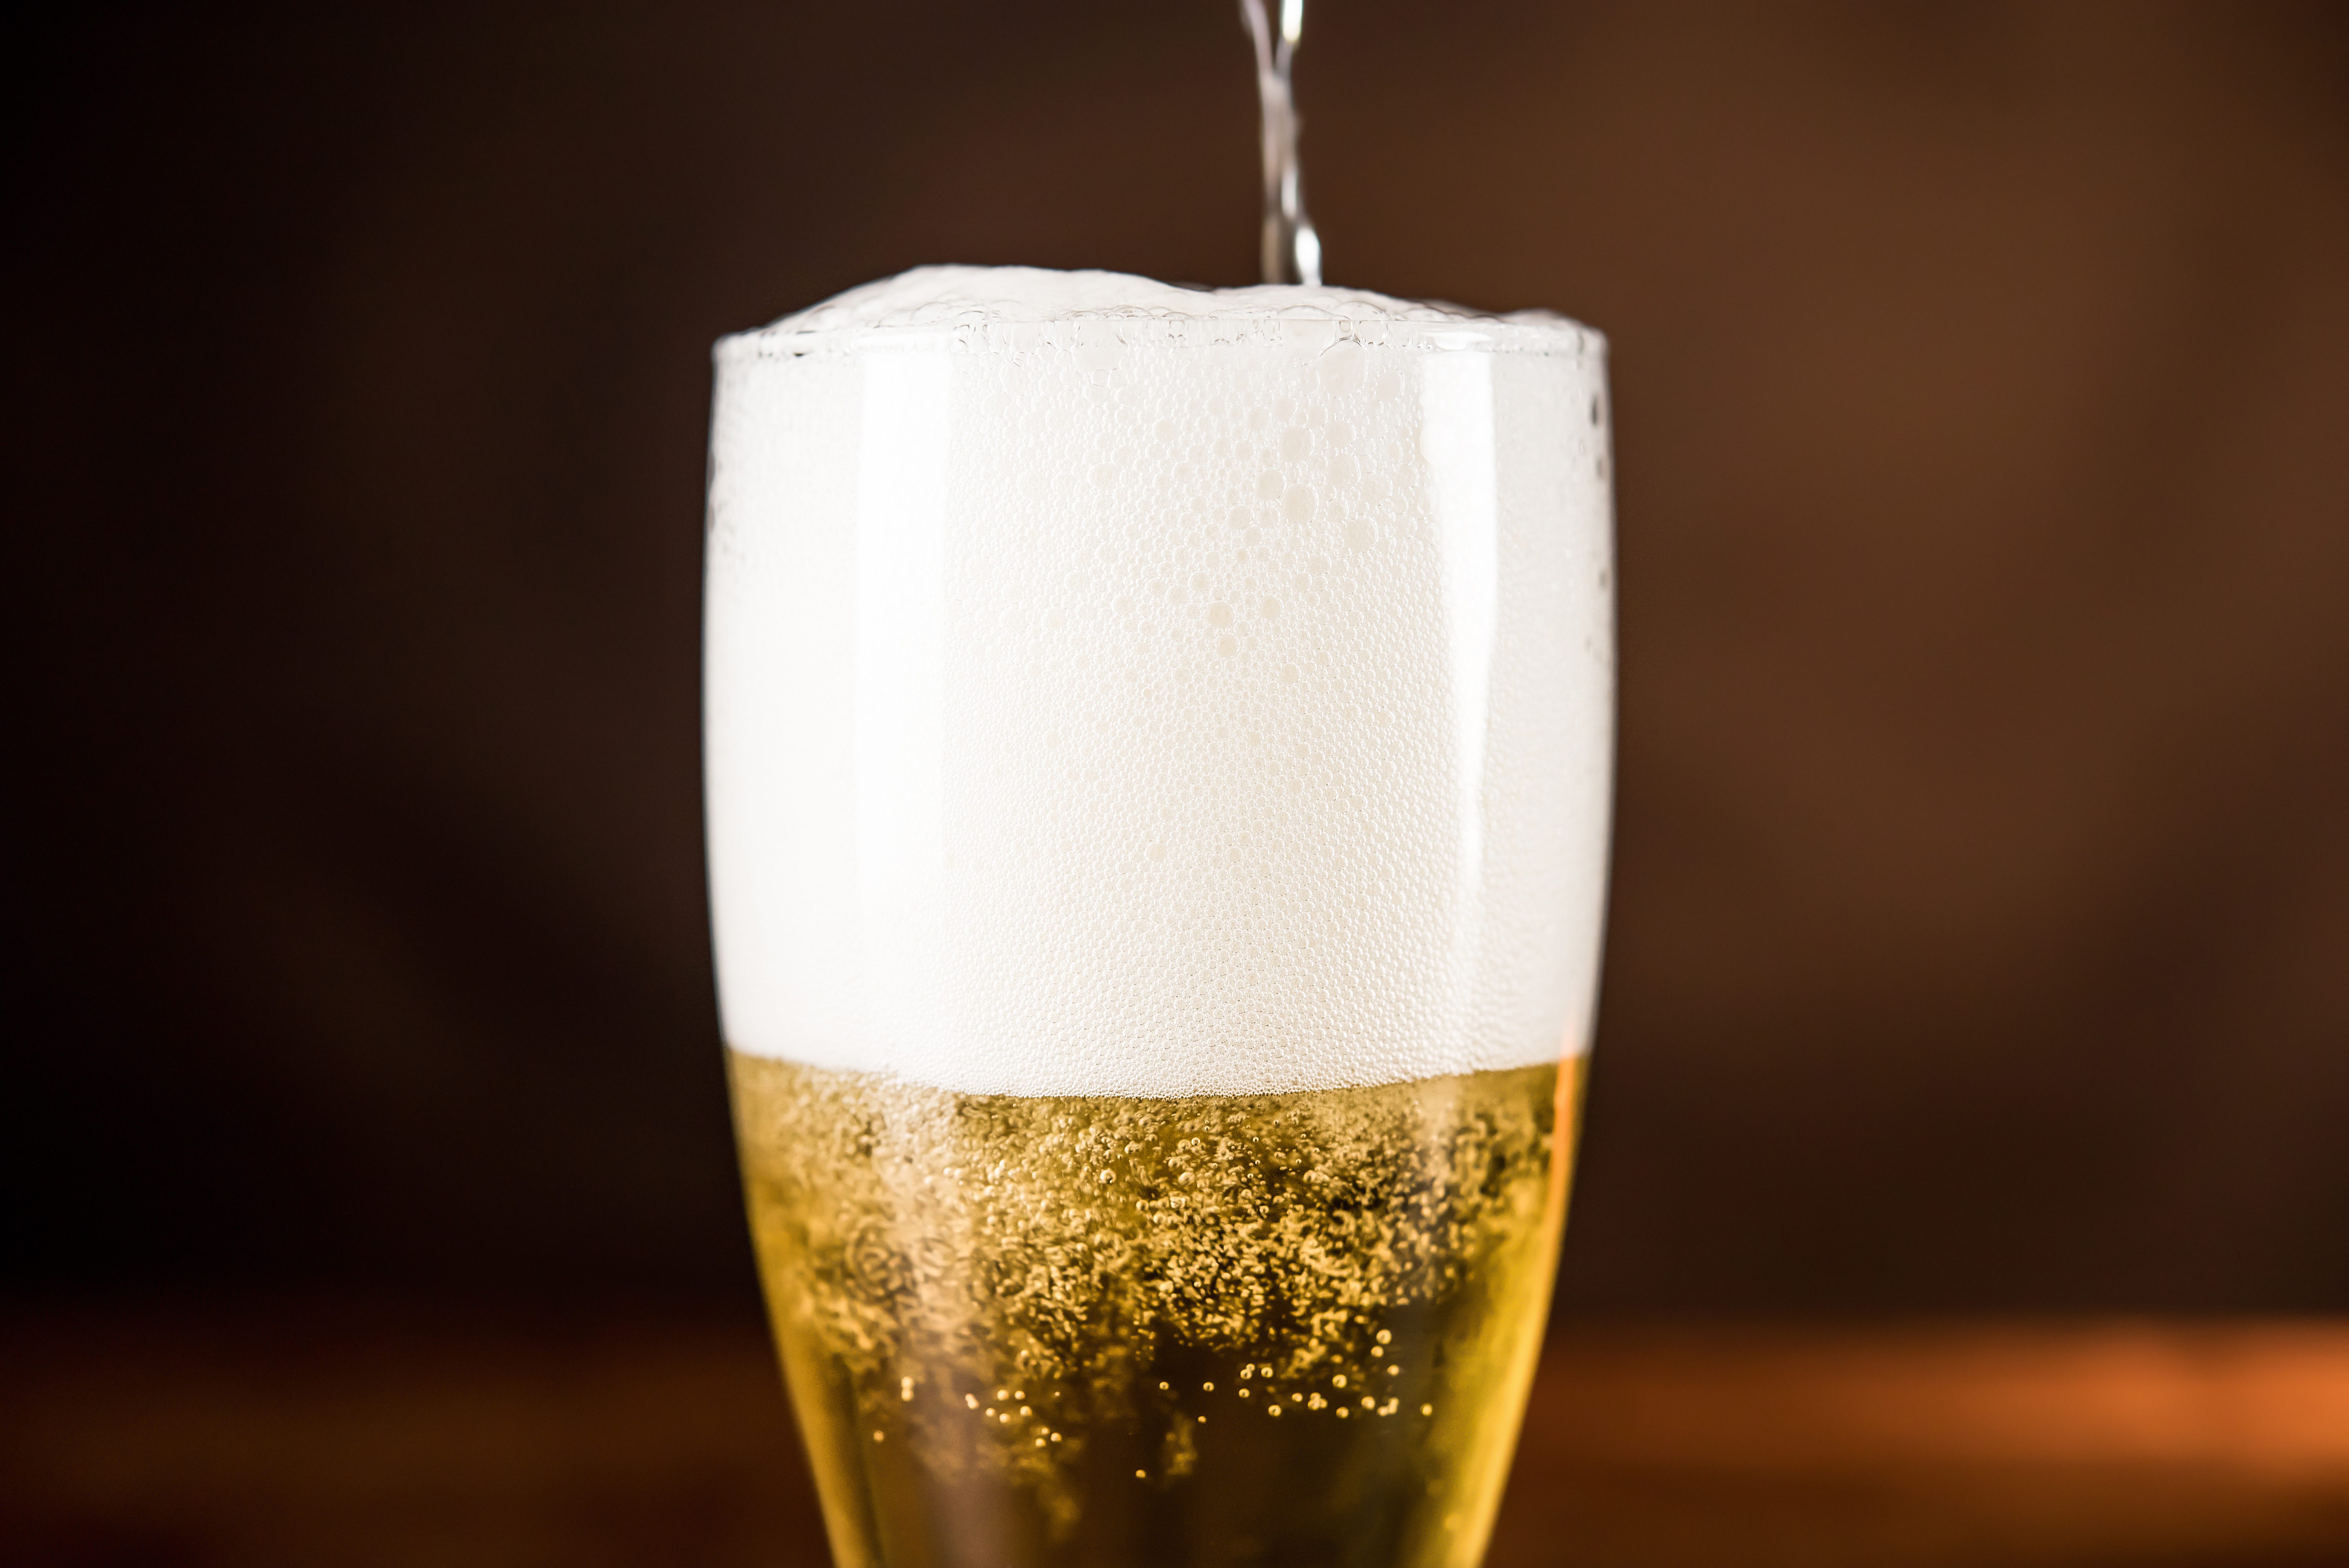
point(1115, 689)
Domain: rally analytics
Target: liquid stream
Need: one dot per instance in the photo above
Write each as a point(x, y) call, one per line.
point(1292, 246)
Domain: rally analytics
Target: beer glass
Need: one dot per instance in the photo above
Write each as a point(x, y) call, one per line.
point(1158, 750)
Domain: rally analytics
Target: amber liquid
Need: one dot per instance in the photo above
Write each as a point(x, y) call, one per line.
point(1291, 1329)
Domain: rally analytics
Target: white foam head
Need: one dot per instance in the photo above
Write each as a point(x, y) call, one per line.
point(1115, 689)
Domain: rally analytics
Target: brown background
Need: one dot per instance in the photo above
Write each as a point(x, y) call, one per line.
point(1981, 928)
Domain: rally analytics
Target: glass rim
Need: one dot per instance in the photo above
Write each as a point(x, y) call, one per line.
point(1306, 329)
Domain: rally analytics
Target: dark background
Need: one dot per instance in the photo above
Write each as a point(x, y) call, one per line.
point(1980, 924)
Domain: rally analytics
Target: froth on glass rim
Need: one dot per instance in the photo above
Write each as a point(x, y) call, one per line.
point(1024, 308)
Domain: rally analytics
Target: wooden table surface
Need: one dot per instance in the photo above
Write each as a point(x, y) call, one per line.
point(313, 1434)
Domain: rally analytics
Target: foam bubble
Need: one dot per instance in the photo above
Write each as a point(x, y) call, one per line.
point(1115, 689)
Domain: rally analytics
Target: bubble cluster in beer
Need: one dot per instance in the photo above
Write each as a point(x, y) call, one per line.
point(1121, 689)
point(1333, 1293)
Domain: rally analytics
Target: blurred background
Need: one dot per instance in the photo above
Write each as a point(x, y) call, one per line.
point(1980, 935)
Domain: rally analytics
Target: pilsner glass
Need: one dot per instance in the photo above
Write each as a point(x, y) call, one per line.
point(1159, 746)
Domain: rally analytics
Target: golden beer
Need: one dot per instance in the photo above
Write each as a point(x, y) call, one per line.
point(1290, 1328)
